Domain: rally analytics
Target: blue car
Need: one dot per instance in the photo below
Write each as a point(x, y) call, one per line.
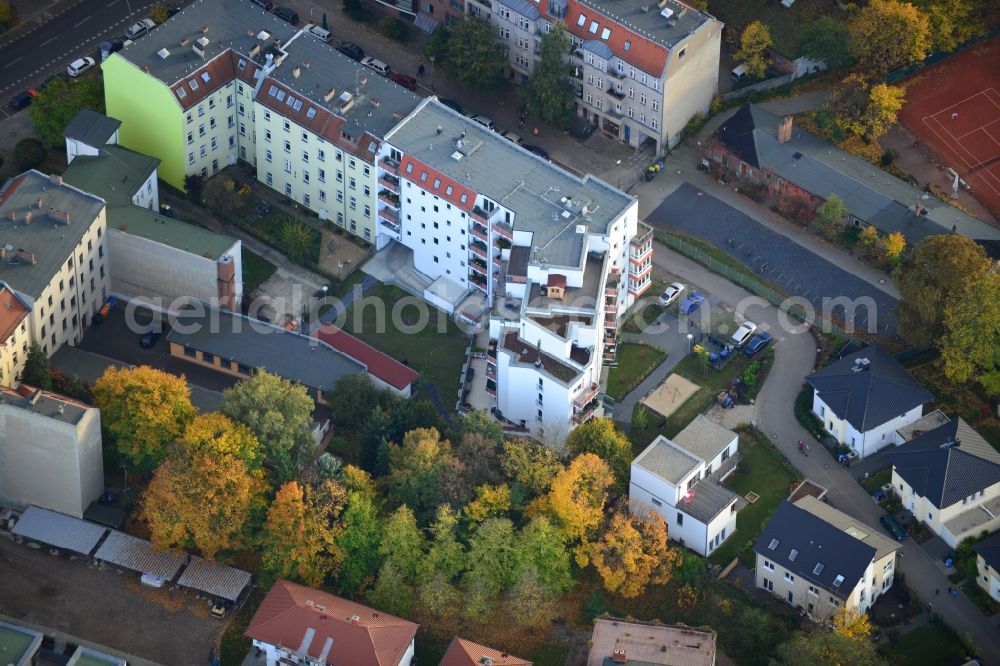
point(691, 303)
point(757, 343)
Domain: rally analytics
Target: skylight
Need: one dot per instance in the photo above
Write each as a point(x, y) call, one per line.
point(437, 183)
point(182, 93)
point(241, 65)
point(297, 105)
point(205, 77)
point(272, 91)
point(311, 113)
point(773, 545)
point(838, 580)
point(593, 27)
point(627, 46)
point(449, 190)
point(193, 84)
point(792, 555)
point(280, 96)
point(818, 569)
point(582, 20)
point(605, 33)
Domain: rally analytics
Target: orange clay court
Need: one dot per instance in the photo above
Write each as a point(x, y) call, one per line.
point(954, 108)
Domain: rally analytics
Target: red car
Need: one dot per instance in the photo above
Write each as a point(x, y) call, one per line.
point(404, 80)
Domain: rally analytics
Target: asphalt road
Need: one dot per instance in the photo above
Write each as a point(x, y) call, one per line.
point(58, 37)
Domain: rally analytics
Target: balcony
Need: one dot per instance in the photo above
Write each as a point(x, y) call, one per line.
point(586, 396)
point(389, 215)
point(503, 230)
point(587, 412)
point(389, 165)
point(390, 229)
point(491, 387)
point(617, 94)
point(390, 183)
point(477, 231)
point(389, 198)
point(610, 320)
point(478, 248)
point(479, 284)
point(480, 215)
point(615, 113)
point(614, 73)
point(478, 265)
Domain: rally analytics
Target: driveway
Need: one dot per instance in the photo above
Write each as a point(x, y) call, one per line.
point(795, 356)
point(775, 257)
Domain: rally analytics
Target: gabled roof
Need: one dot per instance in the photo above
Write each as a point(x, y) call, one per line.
point(821, 168)
point(872, 396)
point(379, 365)
point(812, 548)
point(883, 545)
point(91, 128)
point(329, 629)
point(466, 653)
point(938, 465)
point(12, 312)
point(989, 550)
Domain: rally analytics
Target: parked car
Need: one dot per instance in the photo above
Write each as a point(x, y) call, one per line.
point(377, 65)
point(286, 14)
point(535, 150)
point(893, 526)
point(452, 104)
point(149, 338)
point(352, 51)
point(173, 10)
point(404, 80)
point(691, 303)
point(105, 310)
point(510, 136)
point(485, 121)
point(671, 293)
point(22, 100)
point(318, 32)
point(264, 4)
point(139, 28)
point(743, 334)
point(80, 66)
point(220, 607)
point(757, 343)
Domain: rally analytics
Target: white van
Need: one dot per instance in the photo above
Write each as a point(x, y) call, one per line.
point(149, 580)
point(319, 32)
point(376, 64)
point(739, 72)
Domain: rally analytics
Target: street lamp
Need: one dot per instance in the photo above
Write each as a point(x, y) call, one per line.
point(431, 58)
point(690, 338)
point(618, 165)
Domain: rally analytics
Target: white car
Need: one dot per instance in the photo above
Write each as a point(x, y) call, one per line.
point(80, 66)
point(485, 122)
point(140, 28)
point(743, 333)
point(671, 293)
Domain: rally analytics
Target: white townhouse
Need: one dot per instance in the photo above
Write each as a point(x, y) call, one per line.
point(556, 259)
point(863, 398)
point(821, 560)
point(949, 479)
point(679, 479)
point(988, 565)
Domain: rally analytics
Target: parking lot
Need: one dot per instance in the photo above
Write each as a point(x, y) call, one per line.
point(106, 607)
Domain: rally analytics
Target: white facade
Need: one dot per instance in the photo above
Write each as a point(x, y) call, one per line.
point(969, 517)
point(148, 194)
point(988, 579)
point(75, 147)
point(281, 655)
point(210, 132)
point(49, 458)
point(865, 443)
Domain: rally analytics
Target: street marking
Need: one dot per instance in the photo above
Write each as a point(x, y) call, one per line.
point(50, 39)
point(111, 4)
point(12, 62)
point(77, 25)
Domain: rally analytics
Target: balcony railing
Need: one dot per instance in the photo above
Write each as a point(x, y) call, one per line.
point(479, 215)
point(586, 396)
point(394, 228)
point(389, 198)
point(390, 165)
point(617, 94)
point(585, 414)
point(390, 183)
point(613, 72)
point(389, 215)
point(503, 229)
point(479, 249)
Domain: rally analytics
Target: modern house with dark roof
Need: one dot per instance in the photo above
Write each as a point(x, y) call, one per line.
point(821, 560)
point(466, 653)
point(297, 624)
point(157, 259)
point(680, 480)
point(863, 398)
point(949, 479)
point(766, 149)
point(988, 564)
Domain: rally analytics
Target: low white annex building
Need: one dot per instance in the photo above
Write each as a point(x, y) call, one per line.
point(863, 398)
point(679, 479)
point(50, 451)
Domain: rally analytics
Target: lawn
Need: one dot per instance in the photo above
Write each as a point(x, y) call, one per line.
point(930, 644)
point(878, 479)
point(635, 362)
point(256, 270)
point(436, 350)
point(647, 310)
point(763, 470)
point(784, 23)
point(709, 250)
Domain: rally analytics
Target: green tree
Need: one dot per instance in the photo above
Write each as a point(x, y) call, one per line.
point(830, 215)
point(825, 39)
point(279, 413)
point(8, 14)
point(416, 469)
point(36, 372)
point(158, 13)
point(543, 547)
point(362, 532)
point(481, 423)
point(437, 46)
point(444, 561)
point(403, 544)
point(481, 455)
point(939, 270)
point(60, 101)
point(754, 42)
point(886, 35)
point(529, 602)
point(296, 239)
point(822, 647)
point(970, 346)
point(952, 22)
point(375, 442)
point(549, 93)
point(392, 592)
point(531, 466)
point(474, 55)
point(29, 153)
point(493, 565)
point(602, 438)
point(893, 247)
point(884, 104)
point(352, 399)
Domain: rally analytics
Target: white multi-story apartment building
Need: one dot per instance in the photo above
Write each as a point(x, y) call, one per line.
point(53, 266)
point(558, 258)
point(224, 80)
point(821, 560)
point(679, 479)
point(642, 69)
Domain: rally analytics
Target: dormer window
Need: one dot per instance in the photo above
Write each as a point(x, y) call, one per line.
point(582, 20)
point(818, 569)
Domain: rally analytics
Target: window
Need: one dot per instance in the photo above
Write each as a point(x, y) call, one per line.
point(288, 146)
point(269, 179)
point(789, 577)
point(657, 502)
point(305, 157)
point(606, 33)
point(288, 166)
point(305, 199)
point(582, 20)
point(305, 177)
point(194, 86)
point(818, 569)
point(288, 189)
point(793, 554)
point(593, 27)
point(201, 129)
point(321, 155)
point(627, 45)
point(267, 135)
point(768, 585)
point(774, 544)
point(190, 138)
point(768, 565)
point(321, 175)
point(205, 77)
point(680, 518)
point(838, 581)
point(215, 143)
point(203, 150)
point(267, 155)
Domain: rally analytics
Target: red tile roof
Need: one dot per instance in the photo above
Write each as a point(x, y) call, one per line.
point(318, 624)
point(556, 280)
point(643, 52)
point(466, 653)
point(12, 313)
point(220, 71)
point(379, 365)
point(417, 176)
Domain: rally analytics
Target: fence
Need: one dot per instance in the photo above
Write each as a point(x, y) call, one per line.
point(767, 84)
point(748, 283)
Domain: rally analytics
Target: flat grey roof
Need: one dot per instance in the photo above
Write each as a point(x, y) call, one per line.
point(253, 343)
point(644, 17)
point(59, 530)
point(215, 579)
point(707, 500)
point(49, 240)
point(44, 403)
point(666, 461)
point(136, 554)
point(704, 438)
point(142, 222)
point(228, 23)
point(547, 201)
point(91, 128)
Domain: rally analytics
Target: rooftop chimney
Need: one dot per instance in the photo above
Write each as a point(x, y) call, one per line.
point(25, 257)
point(55, 179)
point(329, 95)
point(785, 130)
point(60, 216)
point(27, 217)
point(619, 656)
point(11, 214)
point(297, 72)
point(38, 202)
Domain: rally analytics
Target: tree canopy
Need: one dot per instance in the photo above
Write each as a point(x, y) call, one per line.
point(634, 553)
point(549, 93)
point(886, 35)
point(60, 101)
point(951, 21)
point(474, 55)
point(578, 497)
point(602, 438)
point(970, 346)
point(825, 39)
point(754, 42)
point(37, 371)
point(416, 469)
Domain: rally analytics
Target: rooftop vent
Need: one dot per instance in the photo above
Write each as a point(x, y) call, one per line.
point(204, 29)
point(666, 12)
point(185, 41)
point(25, 257)
point(255, 51)
point(297, 72)
point(861, 364)
point(457, 155)
point(203, 42)
point(329, 95)
point(619, 656)
point(263, 35)
point(163, 53)
point(60, 216)
point(486, 661)
point(354, 619)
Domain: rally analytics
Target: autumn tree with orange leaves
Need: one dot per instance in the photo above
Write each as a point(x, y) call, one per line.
point(144, 409)
point(577, 499)
point(634, 553)
point(207, 488)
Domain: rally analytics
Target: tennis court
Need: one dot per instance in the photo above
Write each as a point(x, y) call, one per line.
point(954, 108)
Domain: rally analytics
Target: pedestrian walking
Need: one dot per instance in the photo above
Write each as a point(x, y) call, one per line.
point(420, 70)
point(937, 592)
point(954, 115)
